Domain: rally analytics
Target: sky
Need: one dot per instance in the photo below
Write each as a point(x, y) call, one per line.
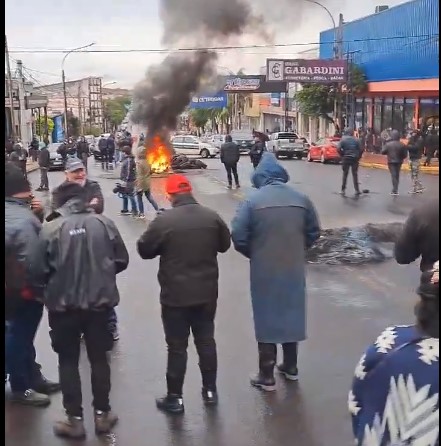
point(135, 24)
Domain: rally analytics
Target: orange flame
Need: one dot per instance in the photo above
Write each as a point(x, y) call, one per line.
point(158, 155)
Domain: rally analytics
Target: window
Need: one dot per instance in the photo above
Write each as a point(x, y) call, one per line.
point(190, 140)
point(409, 113)
point(377, 115)
point(398, 115)
point(387, 122)
point(178, 140)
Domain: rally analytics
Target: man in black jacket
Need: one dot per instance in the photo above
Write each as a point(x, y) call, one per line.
point(396, 153)
point(187, 239)
point(23, 306)
point(83, 151)
point(256, 151)
point(76, 173)
point(102, 147)
point(44, 161)
point(77, 260)
point(351, 152)
point(230, 156)
point(420, 236)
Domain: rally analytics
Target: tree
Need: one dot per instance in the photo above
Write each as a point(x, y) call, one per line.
point(200, 117)
point(316, 100)
point(115, 110)
point(73, 124)
point(40, 126)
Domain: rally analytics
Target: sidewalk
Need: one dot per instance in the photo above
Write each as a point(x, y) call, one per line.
point(31, 166)
point(377, 161)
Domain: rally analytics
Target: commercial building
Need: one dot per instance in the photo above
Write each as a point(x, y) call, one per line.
point(398, 50)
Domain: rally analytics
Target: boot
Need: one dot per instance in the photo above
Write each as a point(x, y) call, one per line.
point(70, 427)
point(172, 404)
point(31, 398)
point(210, 397)
point(289, 366)
point(104, 421)
point(43, 385)
point(265, 380)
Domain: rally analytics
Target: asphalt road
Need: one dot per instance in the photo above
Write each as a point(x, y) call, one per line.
point(348, 307)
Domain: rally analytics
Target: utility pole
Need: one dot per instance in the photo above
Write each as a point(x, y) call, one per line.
point(10, 89)
point(80, 109)
point(338, 56)
point(66, 127)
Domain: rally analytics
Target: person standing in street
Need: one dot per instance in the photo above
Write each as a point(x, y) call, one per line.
point(44, 161)
point(350, 151)
point(142, 182)
point(19, 156)
point(230, 156)
point(128, 177)
point(23, 306)
point(432, 145)
point(77, 260)
point(83, 151)
point(111, 149)
point(187, 238)
point(420, 236)
point(415, 148)
point(396, 153)
point(256, 151)
point(273, 228)
point(102, 147)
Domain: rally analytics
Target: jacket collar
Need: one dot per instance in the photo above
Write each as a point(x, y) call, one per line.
point(17, 201)
point(183, 200)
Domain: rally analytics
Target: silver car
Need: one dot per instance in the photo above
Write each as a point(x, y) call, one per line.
point(192, 145)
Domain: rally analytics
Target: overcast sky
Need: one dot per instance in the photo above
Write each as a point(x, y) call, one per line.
point(128, 24)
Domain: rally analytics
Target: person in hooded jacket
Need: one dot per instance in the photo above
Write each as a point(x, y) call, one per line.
point(256, 151)
point(273, 228)
point(415, 149)
point(230, 156)
point(19, 156)
point(396, 154)
point(77, 259)
point(350, 151)
point(83, 151)
point(44, 162)
point(102, 147)
point(128, 176)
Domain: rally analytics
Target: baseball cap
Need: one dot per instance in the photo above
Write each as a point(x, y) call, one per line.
point(177, 184)
point(73, 164)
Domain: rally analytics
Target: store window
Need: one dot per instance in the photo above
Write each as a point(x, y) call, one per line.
point(398, 115)
point(429, 107)
point(360, 116)
point(387, 121)
point(409, 114)
point(378, 102)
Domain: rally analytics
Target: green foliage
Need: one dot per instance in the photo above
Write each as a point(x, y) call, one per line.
point(73, 125)
point(94, 131)
point(115, 110)
point(316, 99)
point(358, 79)
point(200, 117)
point(40, 126)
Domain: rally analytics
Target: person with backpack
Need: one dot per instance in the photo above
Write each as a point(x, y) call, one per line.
point(128, 176)
point(102, 147)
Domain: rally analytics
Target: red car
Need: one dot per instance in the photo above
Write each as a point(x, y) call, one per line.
point(324, 150)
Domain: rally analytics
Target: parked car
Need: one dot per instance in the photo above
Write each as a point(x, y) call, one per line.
point(244, 140)
point(324, 150)
point(217, 140)
point(55, 159)
point(287, 144)
point(192, 145)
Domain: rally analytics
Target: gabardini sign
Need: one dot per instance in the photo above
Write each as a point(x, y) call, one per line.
point(306, 70)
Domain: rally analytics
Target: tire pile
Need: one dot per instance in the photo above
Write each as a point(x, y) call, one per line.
point(182, 162)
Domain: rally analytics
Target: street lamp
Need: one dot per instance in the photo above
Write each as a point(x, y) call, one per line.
point(108, 83)
point(63, 78)
point(334, 26)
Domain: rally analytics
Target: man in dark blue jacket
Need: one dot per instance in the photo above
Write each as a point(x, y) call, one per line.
point(350, 151)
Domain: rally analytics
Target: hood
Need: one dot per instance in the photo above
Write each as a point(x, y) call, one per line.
point(269, 171)
point(73, 206)
point(395, 135)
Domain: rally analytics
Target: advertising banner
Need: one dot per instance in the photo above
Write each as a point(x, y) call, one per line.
point(251, 84)
point(217, 100)
point(58, 132)
point(320, 71)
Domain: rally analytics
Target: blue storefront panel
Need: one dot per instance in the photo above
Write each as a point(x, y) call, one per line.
point(373, 44)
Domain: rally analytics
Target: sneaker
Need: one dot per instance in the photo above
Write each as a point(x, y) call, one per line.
point(342, 192)
point(70, 427)
point(160, 211)
point(141, 216)
point(394, 194)
point(125, 213)
point(39, 189)
point(104, 422)
point(266, 384)
point(357, 193)
point(289, 374)
point(115, 334)
point(230, 186)
point(237, 186)
point(172, 404)
point(31, 398)
point(210, 397)
point(46, 387)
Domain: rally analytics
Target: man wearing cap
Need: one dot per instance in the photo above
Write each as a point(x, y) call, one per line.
point(76, 172)
point(187, 238)
point(23, 306)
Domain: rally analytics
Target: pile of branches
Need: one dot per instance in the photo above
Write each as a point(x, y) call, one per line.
point(182, 162)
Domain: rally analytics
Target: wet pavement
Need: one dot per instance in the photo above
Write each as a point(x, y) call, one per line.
point(348, 307)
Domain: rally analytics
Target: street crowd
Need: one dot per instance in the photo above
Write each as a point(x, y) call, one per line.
point(68, 262)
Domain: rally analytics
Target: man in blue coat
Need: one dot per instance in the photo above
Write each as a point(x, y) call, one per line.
point(273, 228)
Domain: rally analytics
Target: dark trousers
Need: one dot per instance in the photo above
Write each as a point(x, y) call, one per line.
point(104, 160)
point(150, 199)
point(22, 164)
point(268, 357)
point(44, 180)
point(232, 171)
point(113, 320)
point(351, 164)
point(394, 169)
point(177, 322)
point(66, 329)
point(84, 159)
point(19, 346)
point(430, 153)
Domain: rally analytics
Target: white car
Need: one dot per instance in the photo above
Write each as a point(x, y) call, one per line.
point(217, 140)
point(192, 145)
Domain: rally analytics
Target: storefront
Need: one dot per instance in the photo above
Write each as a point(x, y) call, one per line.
point(398, 51)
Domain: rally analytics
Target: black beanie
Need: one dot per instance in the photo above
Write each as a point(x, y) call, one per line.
point(15, 182)
point(68, 190)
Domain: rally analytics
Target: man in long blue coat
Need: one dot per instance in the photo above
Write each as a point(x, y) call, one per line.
point(273, 228)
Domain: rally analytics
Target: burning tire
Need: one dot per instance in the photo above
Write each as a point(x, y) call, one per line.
point(205, 153)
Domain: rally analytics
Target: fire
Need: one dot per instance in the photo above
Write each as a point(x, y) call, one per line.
point(158, 155)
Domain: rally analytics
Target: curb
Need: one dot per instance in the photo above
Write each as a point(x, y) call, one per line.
point(31, 168)
point(425, 170)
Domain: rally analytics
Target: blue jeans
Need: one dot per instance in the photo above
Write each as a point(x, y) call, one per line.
point(126, 199)
point(113, 320)
point(150, 199)
point(19, 345)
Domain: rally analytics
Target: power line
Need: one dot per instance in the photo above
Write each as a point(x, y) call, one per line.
point(214, 48)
